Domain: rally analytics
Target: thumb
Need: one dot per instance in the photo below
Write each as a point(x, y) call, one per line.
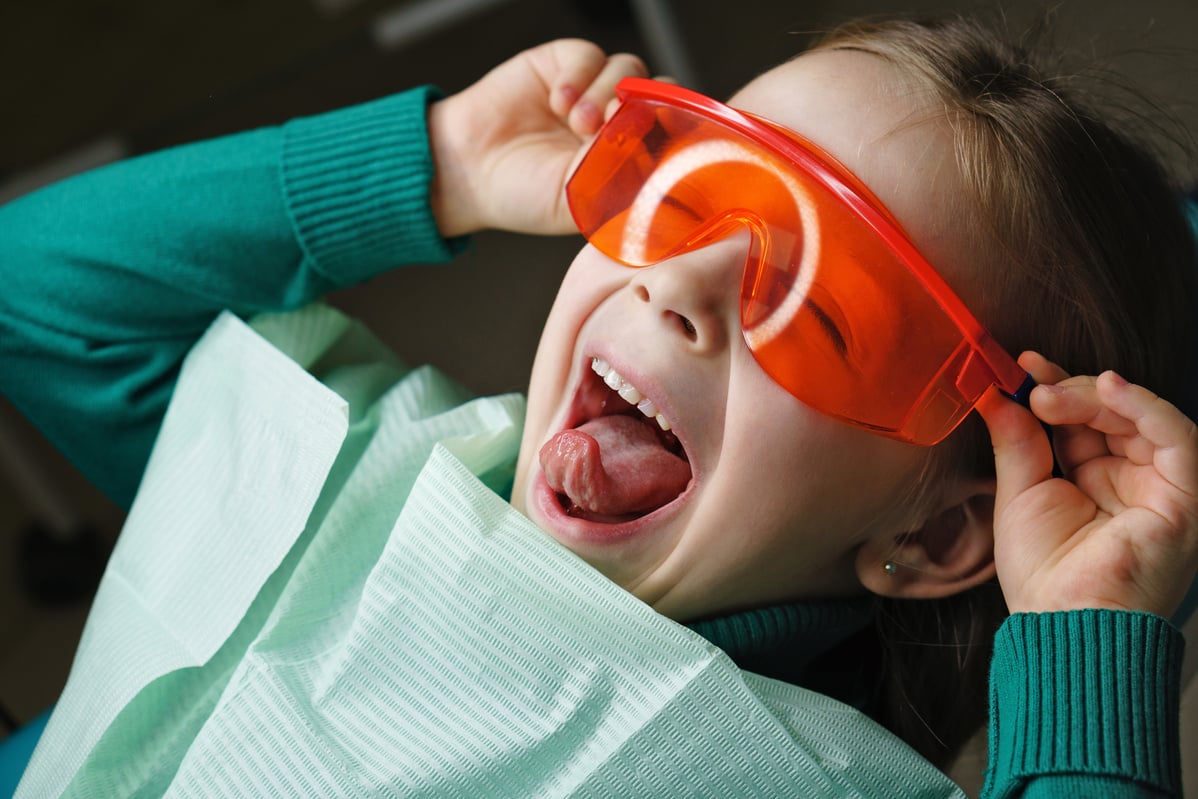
point(1022, 452)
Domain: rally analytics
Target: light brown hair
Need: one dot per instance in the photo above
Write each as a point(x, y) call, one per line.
point(1084, 254)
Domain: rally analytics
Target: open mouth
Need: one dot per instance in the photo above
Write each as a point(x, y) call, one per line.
point(617, 458)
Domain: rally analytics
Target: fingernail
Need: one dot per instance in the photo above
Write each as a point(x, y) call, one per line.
point(1051, 388)
point(1117, 378)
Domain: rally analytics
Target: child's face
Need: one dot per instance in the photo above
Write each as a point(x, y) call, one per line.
point(776, 500)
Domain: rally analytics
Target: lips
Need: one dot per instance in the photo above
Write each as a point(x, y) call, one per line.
point(616, 460)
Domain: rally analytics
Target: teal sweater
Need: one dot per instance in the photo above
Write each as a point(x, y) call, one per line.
point(109, 278)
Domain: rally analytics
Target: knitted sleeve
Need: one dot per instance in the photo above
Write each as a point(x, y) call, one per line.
point(1085, 703)
point(108, 278)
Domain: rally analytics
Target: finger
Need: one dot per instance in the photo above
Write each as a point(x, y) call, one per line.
point(1071, 408)
point(582, 79)
point(567, 67)
point(588, 114)
point(1072, 445)
point(1087, 427)
point(614, 103)
point(1173, 436)
point(1083, 428)
point(1022, 454)
point(1041, 369)
point(1072, 400)
point(1077, 402)
point(610, 110)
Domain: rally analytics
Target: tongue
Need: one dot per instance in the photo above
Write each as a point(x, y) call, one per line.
point(613, 465)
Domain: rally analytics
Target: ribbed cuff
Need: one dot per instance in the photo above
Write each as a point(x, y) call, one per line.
point(1086, 692)
point(357, 187)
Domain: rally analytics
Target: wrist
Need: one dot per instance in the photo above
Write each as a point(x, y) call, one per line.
point(451, 198)
point(1116, 597)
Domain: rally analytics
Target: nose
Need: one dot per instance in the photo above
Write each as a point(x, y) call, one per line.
point(696, 295)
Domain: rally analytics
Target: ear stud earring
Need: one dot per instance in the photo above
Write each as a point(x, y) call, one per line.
point(890, 567)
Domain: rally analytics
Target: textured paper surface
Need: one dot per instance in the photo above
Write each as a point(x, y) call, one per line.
point(321, 593)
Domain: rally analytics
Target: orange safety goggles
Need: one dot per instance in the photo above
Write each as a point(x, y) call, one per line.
point(837, 305)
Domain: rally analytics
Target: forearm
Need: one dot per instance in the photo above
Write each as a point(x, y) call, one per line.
point(110, 277)
point(1085, 703)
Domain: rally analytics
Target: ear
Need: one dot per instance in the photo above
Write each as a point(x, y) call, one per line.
point(952, 552)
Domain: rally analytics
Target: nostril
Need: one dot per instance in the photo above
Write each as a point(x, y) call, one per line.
point(641, 293)
point(688, 327)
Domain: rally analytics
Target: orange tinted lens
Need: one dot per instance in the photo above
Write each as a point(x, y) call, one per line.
point(846, 329)
point(621, 204)
point(829, 308)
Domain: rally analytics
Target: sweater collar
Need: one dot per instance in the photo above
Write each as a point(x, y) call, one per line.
point(782, 640)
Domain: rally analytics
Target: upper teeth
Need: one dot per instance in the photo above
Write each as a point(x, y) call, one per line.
point(628, 391)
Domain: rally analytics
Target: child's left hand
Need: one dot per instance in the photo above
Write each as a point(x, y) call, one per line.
point(1120, 530)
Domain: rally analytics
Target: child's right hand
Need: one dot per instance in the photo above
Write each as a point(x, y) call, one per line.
point(504, 147)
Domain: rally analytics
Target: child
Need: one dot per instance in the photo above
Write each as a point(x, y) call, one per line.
point(736, 496)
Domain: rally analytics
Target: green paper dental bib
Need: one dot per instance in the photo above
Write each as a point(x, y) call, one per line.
point(319, 592)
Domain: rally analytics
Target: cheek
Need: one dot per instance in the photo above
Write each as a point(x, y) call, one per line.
point(808, 471)
point(590, 279)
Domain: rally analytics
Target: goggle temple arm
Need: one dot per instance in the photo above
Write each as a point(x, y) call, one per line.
point(1023, 395)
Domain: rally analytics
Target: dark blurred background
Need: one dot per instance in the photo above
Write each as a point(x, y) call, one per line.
point(90, 82)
